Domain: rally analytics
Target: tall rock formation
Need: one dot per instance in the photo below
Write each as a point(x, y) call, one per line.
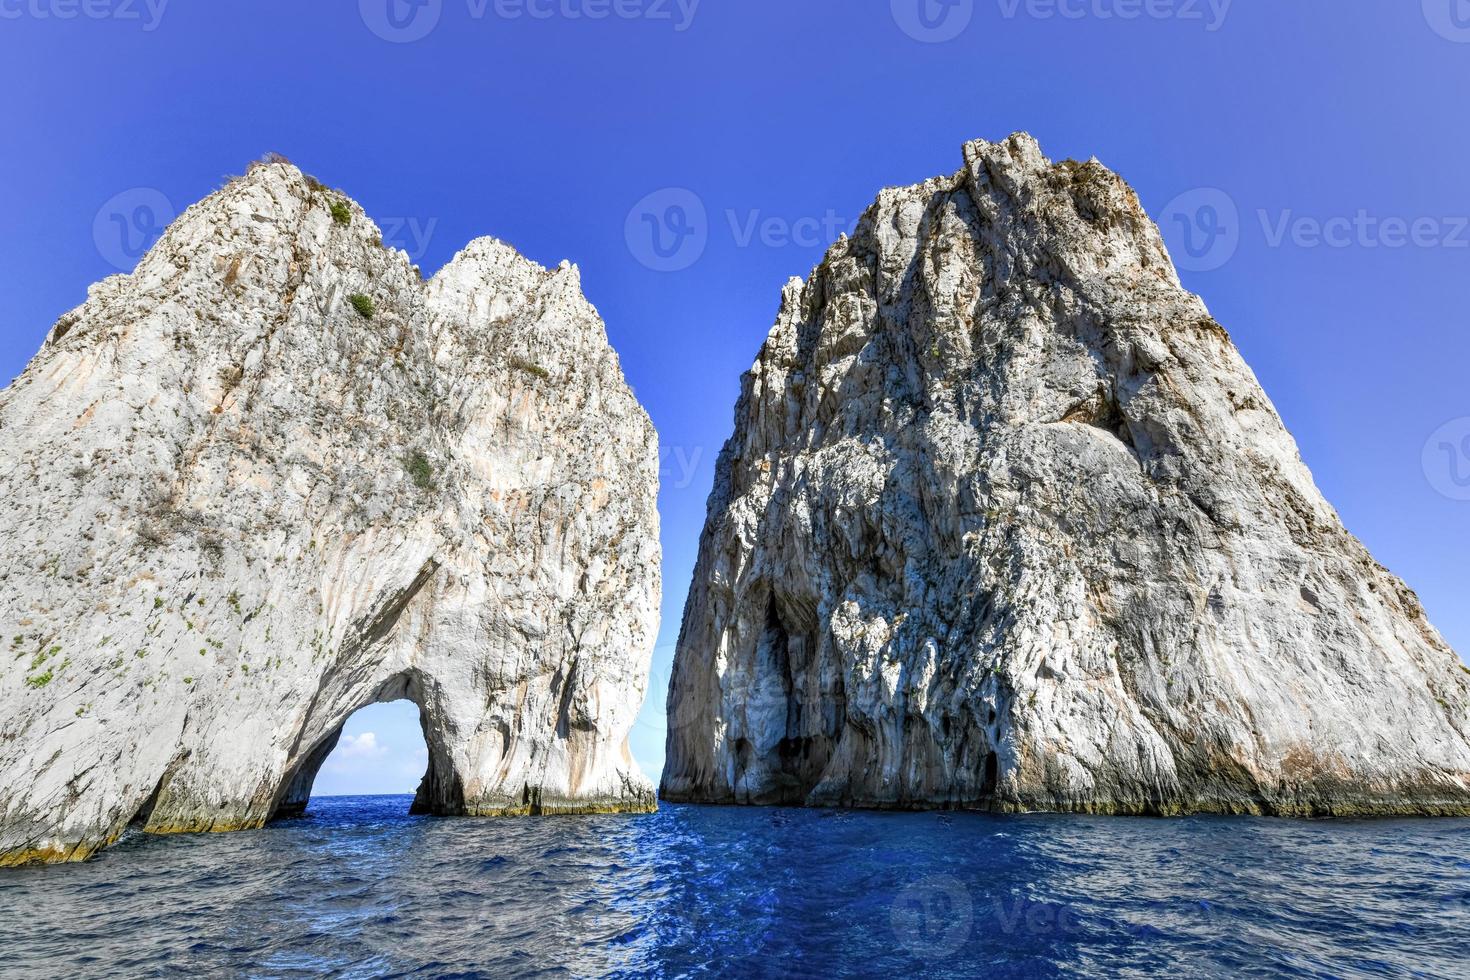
point(272, 477)
point(1007, 523)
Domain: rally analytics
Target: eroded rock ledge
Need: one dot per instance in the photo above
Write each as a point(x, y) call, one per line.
point(1006, 523)
point(272, 477)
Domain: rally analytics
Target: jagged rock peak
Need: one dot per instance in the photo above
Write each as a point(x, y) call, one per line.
point(1007, 523)
point(271, 477)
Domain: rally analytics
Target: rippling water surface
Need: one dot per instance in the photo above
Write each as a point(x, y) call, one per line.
point(357, 888)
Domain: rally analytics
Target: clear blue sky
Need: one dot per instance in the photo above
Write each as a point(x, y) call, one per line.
point(555, 129)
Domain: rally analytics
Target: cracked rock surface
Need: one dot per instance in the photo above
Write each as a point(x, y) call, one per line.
point(272, 477)
point(1007, 523)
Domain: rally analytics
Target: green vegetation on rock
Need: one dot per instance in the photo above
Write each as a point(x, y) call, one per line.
point(420, 470)
point(363, 305)
point(522, 364)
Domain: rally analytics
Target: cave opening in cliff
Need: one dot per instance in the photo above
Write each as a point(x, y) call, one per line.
point(805, 698)
point(991, 779)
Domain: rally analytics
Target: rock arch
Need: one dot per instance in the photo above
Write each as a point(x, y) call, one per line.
point(441, 791)
point(273, 476)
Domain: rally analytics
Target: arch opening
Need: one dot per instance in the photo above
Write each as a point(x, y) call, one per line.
point(387, 747)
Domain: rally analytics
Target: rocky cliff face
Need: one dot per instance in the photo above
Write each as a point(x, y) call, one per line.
point(1007, 523)
point(272, 477)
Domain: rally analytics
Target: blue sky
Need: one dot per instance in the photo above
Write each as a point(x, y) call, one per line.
point(1306, 159)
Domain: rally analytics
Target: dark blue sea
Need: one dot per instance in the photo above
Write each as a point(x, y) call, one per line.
point(357, 888)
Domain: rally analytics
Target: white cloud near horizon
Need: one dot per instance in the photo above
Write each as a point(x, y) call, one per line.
point(364, 746)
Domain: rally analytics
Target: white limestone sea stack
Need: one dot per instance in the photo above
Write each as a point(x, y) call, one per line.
point(1006, 523)
point(272, 477)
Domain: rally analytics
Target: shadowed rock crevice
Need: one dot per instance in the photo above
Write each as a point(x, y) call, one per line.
point(1102, 411)
point(806, 721)
point(298, 790)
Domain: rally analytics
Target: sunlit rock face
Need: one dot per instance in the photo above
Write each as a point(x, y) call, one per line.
point(1007, 523)
point(272, 477)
